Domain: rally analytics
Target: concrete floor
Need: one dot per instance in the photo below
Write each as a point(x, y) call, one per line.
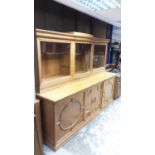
point(100, 137)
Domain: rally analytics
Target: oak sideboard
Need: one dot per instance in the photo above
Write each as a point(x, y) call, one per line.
point(71, 82)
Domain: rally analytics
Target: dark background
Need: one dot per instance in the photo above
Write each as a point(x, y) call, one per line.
point(50, 15)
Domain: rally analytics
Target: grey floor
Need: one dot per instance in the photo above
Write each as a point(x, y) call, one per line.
point(100, 137)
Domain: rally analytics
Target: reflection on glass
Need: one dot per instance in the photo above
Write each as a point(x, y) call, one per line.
point(55, 59)
point(82, 58)
point(99, 56)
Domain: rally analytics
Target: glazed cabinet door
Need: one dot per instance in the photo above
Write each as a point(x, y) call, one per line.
point(68, 114)
point(92, 100)
point(107, 91)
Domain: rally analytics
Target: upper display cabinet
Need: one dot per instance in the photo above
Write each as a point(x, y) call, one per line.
point(62, 57)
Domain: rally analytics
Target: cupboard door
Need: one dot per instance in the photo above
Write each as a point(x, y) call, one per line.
point(92, 100)
point(68, 114)
point(107, 91)
point(117, 92)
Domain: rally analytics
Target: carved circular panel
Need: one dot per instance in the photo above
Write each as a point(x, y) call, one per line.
point(108, 88)
point(70, 115)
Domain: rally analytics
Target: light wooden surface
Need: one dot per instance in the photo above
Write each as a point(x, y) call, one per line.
point(52, 67)
point(107, 92)
point(80, 34)
point(117, 91)
point(64, 118)
point(70, 95)
point(74, 87)
point(72, 59)
point(38, 144)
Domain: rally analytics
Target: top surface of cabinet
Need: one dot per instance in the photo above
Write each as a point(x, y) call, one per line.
point(76, 36)
point(81, 34)
point(73, 87)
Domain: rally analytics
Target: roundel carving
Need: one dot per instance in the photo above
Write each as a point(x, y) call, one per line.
point(108, 89)
point(70, 115)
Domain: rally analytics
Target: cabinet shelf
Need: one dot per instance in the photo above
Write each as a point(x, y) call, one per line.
point(56, 53)
point(78, 54)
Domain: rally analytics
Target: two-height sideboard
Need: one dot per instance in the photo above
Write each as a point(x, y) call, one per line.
point(71, 82)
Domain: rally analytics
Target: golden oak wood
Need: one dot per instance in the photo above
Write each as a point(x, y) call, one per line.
point(72, 59)
point(92, 100)
point(38, 144)
point(71, 91)
point(63, 117)
point(107, 91)
point(71, 88)
point(51, 67)
point(117, 91)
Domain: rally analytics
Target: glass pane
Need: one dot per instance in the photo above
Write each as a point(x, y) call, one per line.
point(99, 56)
point(55, 59)
point(82, 57)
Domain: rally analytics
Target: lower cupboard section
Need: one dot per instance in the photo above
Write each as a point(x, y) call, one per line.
point(62, 120)
point(107, 92)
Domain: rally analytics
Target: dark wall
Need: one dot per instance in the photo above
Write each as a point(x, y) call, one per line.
point(50, 15)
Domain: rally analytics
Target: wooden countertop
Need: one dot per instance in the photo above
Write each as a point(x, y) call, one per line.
point(75, 86)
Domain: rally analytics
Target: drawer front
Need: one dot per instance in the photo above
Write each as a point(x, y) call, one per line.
point(107, 91)
point(68, 114)
point(92, 100)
